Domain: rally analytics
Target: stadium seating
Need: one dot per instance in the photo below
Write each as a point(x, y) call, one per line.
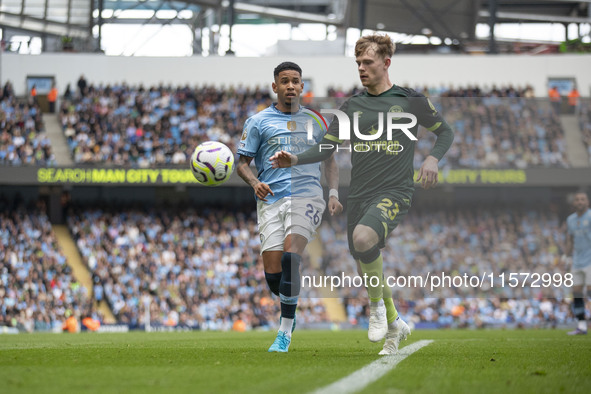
point(494, 128)
point(203, 270)
point(585, 125)
point(37, 290)
point(143, 127)
point(23, 140)
point(197, 270)
point(121, 125)
point(499, 133)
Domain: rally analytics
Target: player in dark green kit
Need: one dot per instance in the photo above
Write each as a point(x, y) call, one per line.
point(382, 172)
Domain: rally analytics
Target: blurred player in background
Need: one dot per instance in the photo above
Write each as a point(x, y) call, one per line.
point(381, 181)
point(578, 245)
point(289, 202)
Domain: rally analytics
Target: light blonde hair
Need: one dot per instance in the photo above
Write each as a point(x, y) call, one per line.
point(382, 44)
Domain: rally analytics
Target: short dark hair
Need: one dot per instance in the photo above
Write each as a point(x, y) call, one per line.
point(286, 66)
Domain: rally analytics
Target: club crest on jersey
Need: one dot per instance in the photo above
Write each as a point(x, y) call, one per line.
point(396, 108)
point(291, 125)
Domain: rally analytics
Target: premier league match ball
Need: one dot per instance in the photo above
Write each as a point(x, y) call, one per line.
point(212, 163)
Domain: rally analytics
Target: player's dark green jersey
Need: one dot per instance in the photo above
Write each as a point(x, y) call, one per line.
point(386, 163)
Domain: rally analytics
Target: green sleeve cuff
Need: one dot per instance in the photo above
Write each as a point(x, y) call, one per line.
point(445, 137)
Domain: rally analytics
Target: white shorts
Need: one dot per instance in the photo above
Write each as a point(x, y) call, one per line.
point(581, 276)
point(288, 215)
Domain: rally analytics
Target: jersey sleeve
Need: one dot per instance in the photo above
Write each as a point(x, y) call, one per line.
point(332, 134)
point(321, 131)
point(428, 117)
point(251, 138)
point(426, 113)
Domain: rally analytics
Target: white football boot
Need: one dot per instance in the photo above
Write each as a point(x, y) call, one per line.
point(378, 323)
point(394, 337)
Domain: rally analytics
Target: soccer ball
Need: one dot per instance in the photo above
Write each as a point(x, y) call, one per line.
point(212, 163)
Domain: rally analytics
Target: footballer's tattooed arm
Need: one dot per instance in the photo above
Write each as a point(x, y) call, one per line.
point(260, 189)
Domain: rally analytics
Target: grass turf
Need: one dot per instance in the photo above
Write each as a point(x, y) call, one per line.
point(457, 361)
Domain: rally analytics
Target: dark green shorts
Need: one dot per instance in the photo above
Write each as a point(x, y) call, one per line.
point(382, 214)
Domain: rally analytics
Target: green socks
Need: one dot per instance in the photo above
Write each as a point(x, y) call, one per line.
point(374, 272)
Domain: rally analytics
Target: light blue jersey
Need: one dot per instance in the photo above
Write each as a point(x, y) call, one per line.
point(580, 228)
point(270, 131)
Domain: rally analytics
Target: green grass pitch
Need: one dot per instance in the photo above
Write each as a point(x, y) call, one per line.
point(458, 361)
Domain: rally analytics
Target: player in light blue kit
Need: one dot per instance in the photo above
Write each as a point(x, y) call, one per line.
point(578, 244)
point(289, 200)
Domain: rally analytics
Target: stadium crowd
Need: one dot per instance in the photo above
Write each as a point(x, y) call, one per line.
point(23, 140)
point(202, 270)
point(497, 127)
point(585, 125)
point(159, 125)
point(451, 91)
point(37, 289)
point(501, 127)
point(195, 270)
point(495, 132)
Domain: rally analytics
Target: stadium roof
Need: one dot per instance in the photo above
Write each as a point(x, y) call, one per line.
point(455, 19)
point(56, 17)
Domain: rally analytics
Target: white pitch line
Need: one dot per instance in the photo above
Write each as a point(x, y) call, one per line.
point(371, 372)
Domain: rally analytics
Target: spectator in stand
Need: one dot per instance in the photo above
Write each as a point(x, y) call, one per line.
point(555, 99)
point(33, 93)
point(68, 93)
point(7, 91)
point(52, 98)
point(82, 85)
point(585, 125)
point(573, 100)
